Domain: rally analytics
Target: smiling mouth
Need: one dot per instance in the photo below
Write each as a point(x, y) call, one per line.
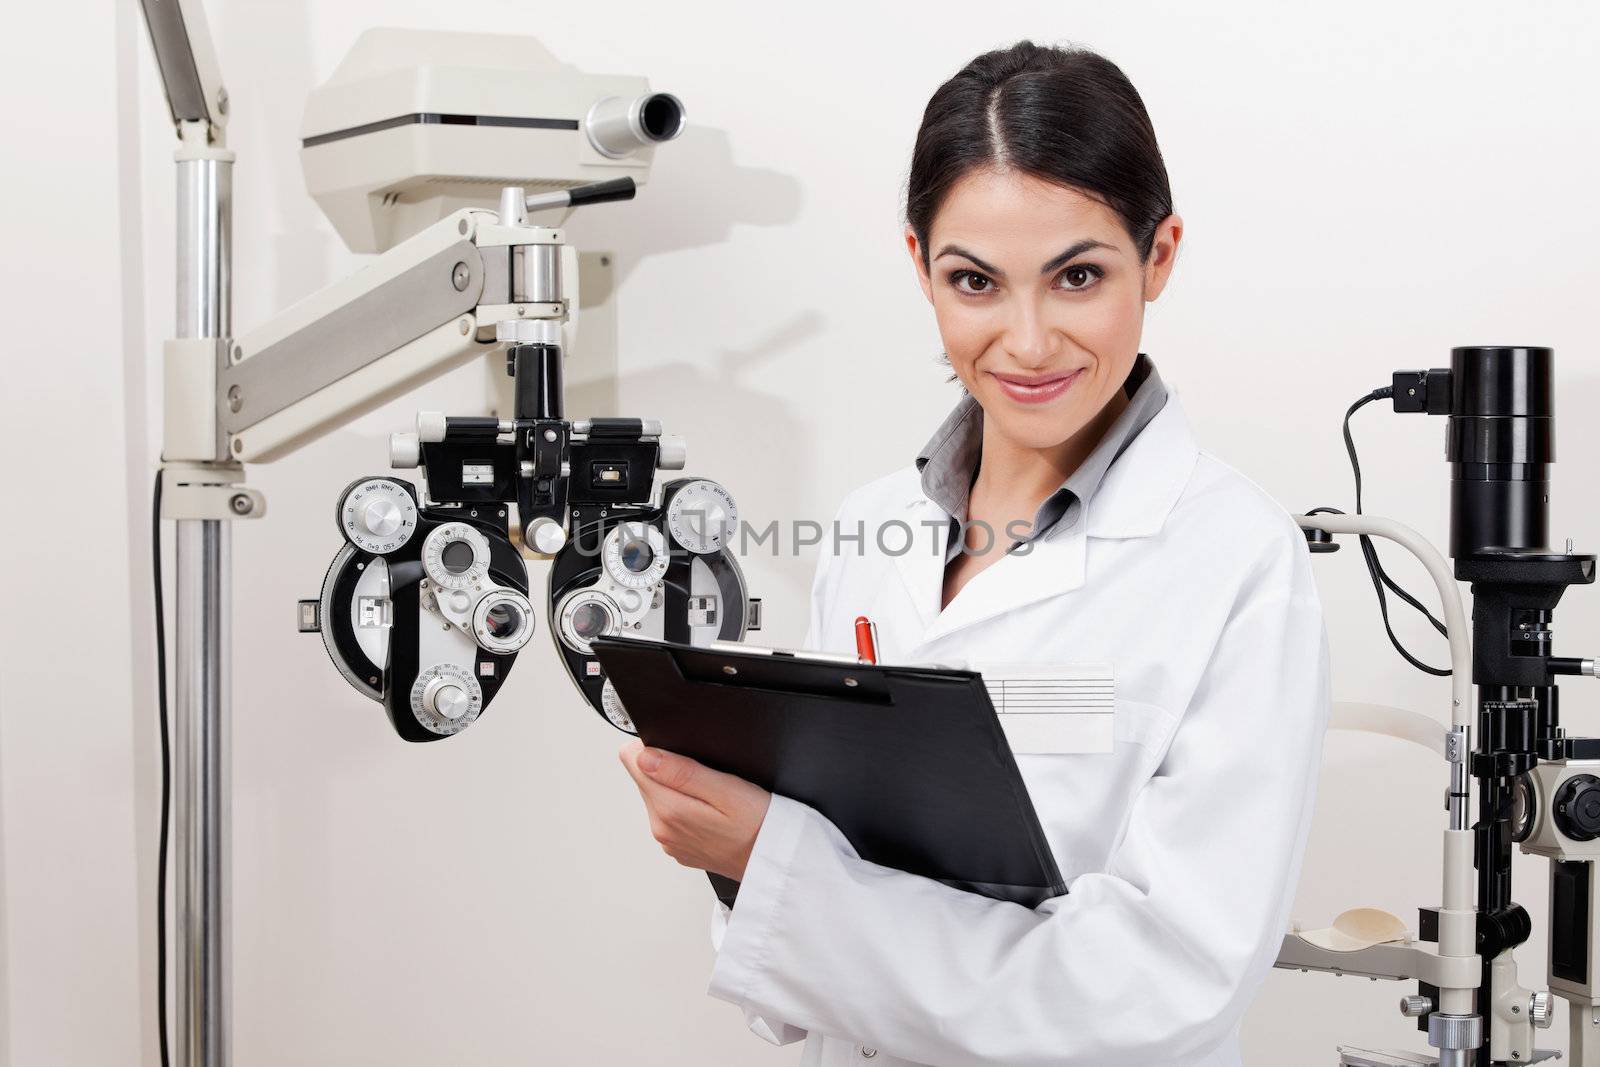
point(1035, 390)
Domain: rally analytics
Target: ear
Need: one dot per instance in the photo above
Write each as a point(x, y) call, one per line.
point(1163, 255)
point(914, 247)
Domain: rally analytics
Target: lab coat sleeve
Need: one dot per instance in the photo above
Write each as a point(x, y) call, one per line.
point(774, 1029)
point(1154, 959)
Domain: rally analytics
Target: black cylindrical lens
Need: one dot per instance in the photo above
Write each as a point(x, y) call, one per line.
point(1500, 442)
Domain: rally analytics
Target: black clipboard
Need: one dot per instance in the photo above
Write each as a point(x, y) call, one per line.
point(910, 763)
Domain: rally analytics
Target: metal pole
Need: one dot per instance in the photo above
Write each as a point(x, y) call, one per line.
point(201, 810)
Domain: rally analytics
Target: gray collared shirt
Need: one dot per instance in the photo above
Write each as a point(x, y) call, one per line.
point(949, 461)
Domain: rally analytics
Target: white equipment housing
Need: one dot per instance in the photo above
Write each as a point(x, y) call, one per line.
point(414, 125)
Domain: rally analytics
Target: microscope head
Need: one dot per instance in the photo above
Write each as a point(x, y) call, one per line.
point(416, 124)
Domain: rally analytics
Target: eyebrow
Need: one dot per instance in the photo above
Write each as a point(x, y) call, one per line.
point(1072, 253)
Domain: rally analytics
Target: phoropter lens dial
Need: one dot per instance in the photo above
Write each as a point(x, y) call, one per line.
point(377, 515)
point(611, 705)
point(446, 698)
point(455, 556)
point(503, 621)
point(635, 555)
point(585, 615)
point(702, 516)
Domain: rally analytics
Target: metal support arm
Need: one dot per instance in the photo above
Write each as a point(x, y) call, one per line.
point(1457, 961)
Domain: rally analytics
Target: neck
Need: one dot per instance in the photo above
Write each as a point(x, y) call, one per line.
point(1022, 477)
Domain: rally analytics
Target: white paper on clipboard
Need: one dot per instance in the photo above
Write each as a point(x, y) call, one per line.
point(1053, 708)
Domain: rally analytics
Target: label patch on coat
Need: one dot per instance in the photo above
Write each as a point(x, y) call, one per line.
point(1060, 708)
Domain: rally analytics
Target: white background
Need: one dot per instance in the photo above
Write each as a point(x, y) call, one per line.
point(1365, 185)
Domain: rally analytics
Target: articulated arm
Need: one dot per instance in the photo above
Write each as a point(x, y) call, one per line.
point(424, 307)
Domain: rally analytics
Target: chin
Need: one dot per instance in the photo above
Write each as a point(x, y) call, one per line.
point(1043, 428)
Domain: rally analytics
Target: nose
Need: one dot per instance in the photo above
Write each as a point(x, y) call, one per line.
point(1029, 338)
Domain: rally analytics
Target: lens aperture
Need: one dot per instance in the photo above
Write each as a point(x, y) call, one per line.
point(457, 557)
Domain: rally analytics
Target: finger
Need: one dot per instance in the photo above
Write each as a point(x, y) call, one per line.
point(663, 804)
point(684, 775)
point(649, 788)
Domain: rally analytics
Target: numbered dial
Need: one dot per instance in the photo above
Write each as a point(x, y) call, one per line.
point(377, 515)
point(584, 616)
point(635, 555)
point(611, 704)
point(702, 517)
point(446, 698)
point(503, 621)
point(455, 556)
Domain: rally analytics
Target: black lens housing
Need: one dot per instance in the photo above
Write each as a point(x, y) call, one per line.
point(1500, 440)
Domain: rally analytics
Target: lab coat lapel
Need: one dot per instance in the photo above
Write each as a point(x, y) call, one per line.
point(1141, 488)
point(1055, 564)
point(1133, 500)
point(921, 566)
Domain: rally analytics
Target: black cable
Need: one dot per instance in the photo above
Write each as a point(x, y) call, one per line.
point(166, 775)
point(1369, 551)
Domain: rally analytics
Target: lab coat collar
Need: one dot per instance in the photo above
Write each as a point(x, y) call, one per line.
point(1138, 493)
point(1143, 485)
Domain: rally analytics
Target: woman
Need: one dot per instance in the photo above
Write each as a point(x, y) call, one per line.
point(1084, 525)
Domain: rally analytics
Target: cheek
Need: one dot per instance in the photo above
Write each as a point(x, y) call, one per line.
point(1106, 323)
point(966, 329)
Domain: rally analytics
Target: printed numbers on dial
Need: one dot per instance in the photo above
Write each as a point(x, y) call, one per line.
point(377, 516)
point(702, 516)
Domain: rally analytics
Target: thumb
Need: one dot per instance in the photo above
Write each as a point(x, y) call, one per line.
point(676, 772)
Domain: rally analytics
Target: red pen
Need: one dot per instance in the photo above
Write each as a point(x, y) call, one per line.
point(866, 639)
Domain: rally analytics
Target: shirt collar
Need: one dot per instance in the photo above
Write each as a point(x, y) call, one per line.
point(949, 461)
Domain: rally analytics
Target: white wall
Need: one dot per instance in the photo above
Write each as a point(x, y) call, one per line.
point(1364, 184)
point(76, 773)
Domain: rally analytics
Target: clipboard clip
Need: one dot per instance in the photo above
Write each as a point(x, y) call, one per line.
point(742, 649)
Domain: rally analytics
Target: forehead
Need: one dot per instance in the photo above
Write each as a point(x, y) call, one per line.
point(1009, 213)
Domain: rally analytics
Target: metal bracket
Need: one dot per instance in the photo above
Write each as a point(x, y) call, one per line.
point(1397, 961)
point(208, 491)
point(190, 367)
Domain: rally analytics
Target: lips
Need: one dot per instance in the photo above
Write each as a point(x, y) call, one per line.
point(1035, 390)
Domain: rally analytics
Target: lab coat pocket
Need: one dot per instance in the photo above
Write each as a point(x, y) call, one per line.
point(1083, 799)
point(1138, 723)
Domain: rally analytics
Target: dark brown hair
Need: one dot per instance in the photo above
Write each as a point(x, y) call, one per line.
point(1066, 115)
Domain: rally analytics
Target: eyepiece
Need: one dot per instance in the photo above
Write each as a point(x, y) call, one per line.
point(661, 116)
point(618, 126)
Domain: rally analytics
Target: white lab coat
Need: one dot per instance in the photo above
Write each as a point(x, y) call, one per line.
point(1181, 848)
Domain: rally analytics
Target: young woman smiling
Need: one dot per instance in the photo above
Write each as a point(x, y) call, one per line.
point(1084, 525)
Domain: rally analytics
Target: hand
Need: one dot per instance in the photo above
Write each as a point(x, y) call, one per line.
point(702, 818)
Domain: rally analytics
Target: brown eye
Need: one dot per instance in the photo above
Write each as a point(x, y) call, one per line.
point(969, 281)
point(1079, 277)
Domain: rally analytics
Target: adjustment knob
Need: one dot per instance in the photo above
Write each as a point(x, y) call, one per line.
point(450, 701)
point(431, 426)
point(1541, 1010)
point(405, 450)
point(446, 698)
point(1415, 1006)
point(545, 536)
point(382, 517)
point(377, 515)
point(1577, 807)
point(674, 453)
